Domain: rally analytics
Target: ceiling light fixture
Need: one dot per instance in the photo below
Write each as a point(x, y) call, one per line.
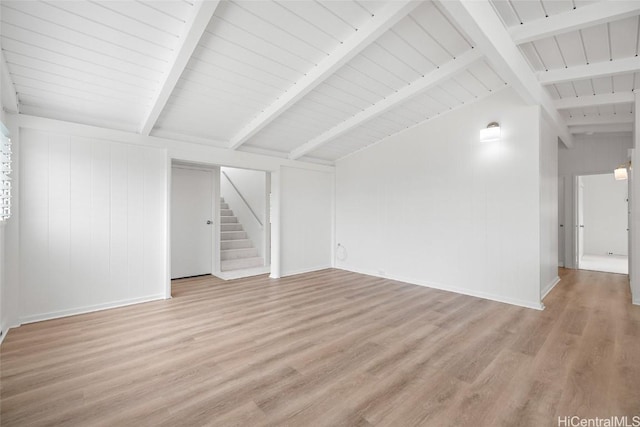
point(491, 133)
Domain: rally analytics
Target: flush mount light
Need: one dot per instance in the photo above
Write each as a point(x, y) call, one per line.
point(491, 133)
point(620, 173)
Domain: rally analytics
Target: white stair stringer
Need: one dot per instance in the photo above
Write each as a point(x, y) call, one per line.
point(236, 249)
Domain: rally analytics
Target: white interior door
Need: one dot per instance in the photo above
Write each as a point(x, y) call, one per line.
point(561, 226)
point(191, 222)
point(580, 219)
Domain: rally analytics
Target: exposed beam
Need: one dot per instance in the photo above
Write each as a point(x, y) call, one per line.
point(608, 128)
point(391, 14)
point(600, 120)
point(573, 20)
point(594, 100)
point(430, 80)
point(202, 13)
point(590, 71)
point(8, 97)
point(481, 23)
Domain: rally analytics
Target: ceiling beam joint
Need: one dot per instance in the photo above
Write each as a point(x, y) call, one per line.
point(437, 76)
point(594, 100)
point(590, 71)
point(485, 28)
point(195, 26)
point(573, 20)
point(390, 15)
point(10, 101)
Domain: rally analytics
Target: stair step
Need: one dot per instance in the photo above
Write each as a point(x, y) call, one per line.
point(233, 235)
point(236, 264)
point(221, 199)
point(224, 205)
point(226, 212)
point(238, 253)
point(228, 219)
point(230, 227)
point(235, 244)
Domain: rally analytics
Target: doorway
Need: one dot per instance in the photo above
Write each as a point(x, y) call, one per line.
point(245, 230)
point(220, 221)
point(192, 220)
point(602, 223)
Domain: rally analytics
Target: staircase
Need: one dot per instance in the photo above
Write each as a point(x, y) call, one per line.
point(236, 249)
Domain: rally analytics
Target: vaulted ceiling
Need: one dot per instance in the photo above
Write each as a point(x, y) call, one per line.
point(315, 80)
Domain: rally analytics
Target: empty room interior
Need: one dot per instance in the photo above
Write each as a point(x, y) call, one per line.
point(319, 213)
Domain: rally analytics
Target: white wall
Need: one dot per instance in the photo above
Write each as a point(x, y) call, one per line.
point(548, 208)
point(92, 224)
point(5, 306)
point(634, 255)
point(594, 154)
point(305, 214)
point(434, 206)
point(252, 185)
point(128, 156)
point(605, 215)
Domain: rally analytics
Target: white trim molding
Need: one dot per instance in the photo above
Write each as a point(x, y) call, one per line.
point(549, 287)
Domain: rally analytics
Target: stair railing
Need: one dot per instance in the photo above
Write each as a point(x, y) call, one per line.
point(243, 199)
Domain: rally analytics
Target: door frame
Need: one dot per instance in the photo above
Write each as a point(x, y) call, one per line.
point(575, 217)
point(576, 220)
point(215, 212)
point(271, 224)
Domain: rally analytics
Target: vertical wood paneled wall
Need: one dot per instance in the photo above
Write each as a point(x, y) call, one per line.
point(93, 224)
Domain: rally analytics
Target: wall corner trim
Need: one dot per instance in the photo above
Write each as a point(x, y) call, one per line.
point(549, 287)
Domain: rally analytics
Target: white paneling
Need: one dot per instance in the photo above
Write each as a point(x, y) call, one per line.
point(306, 212)
point(425, 202)
point(528, 10)
point(623, 43)
point(548, 207)
point(100, 62)
point(596, 43)
point(251, 53)
point(93, 222)
point(449, 95)
point(423, 41)
point(448, 36)
point(571, 48)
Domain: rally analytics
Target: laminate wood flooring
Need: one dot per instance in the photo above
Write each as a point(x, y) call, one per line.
point(330, 348)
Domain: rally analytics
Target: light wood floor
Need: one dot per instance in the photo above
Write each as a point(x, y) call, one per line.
point(330, 348)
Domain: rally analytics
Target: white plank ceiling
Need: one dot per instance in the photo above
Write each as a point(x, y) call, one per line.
point(314, 80)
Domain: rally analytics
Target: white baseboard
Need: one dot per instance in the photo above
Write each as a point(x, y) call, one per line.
point(305, 270)
point(458, 290)
point(240, 274)
point(4, 334)
point(550, 287)
point(89, 309)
